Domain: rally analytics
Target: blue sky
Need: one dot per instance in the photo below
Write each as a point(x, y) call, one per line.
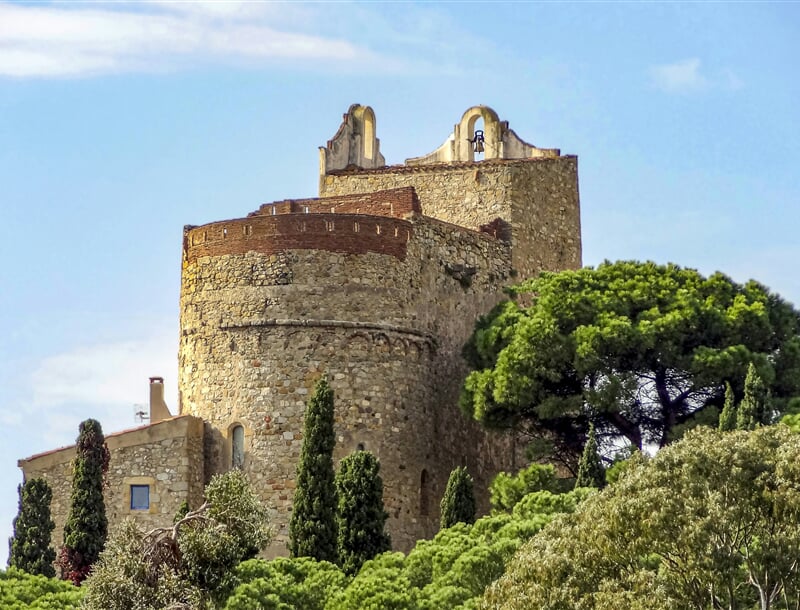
point(122, 122)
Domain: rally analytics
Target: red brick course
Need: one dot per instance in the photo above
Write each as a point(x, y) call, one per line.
point(350, 233)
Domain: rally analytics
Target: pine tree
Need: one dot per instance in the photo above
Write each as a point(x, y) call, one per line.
point(86, 527)
point(590, 470)
point(360, 515)
point(458, 502)
point(30, 549)
point(753, 410)
point(727, 419)
point(312, 528)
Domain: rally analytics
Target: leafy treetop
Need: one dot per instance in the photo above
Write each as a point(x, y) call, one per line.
point(638, 349)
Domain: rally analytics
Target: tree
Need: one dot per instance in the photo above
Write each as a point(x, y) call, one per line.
point(312, 528)
point(24, 591)
point(86, 526)
point(711, 522)
point(30, 549)
point(184, 566)
point(360, 515)
point(458, 502)
point(590, 470)
point(753, 410)
point(506, 490)
point(637, 349)
point(727, 419)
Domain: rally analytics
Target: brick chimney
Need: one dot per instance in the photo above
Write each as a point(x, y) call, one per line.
point(158, 408)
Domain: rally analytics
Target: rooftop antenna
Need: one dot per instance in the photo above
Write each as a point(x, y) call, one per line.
point(139, 414)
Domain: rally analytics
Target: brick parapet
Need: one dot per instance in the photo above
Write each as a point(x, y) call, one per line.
point(347, 233)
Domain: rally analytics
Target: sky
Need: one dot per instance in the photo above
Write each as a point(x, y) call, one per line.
point(122, 122)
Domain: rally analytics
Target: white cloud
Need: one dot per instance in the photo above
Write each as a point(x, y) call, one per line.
point(679, 77)
point(54, 40)
point(105, 381)
point(687, 76)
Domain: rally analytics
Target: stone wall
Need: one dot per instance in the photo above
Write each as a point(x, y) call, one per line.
point(398, 203)
point(259, 328)
point(538, 198)
point(167, 455)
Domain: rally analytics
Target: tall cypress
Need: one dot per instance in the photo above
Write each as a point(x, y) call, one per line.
point(727, 419)
point(458, 502)
point(753, 410)
point(87, 527)
point(590, 470)
point(30, 549)
point(312, 528)
point(360, 515)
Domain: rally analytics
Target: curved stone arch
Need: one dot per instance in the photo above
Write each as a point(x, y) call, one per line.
point(237, 438)
point(465, 131)
point(366, 116)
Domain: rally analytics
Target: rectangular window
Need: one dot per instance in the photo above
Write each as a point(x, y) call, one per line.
point(140, 497)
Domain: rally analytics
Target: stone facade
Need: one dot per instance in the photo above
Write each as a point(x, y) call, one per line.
point(166, 456)
point(376, 284)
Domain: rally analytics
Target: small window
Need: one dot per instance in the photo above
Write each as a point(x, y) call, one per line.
point(424, 494)
point(140, 497)
point(237, 447)
point(360, 447)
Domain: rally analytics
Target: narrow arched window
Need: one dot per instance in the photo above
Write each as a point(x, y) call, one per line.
point(237, 447)
point(424, 493)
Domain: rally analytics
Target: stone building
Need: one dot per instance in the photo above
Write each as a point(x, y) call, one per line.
point(377, 284)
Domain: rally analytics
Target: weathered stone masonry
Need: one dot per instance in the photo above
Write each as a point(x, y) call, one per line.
point(376, 284)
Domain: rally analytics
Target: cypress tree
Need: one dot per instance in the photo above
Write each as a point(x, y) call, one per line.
point(86, 527)
point(312, 528)
point(30, 549)
point(360, 515)
point(727, 419)
point(590, 470)
point(458, 502)
point(753, 410)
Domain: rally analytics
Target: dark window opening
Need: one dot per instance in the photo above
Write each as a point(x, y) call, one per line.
point(424, 493)
point(237, 447)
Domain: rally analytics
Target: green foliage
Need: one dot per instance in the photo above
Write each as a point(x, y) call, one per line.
point(22, 591)
point(713, 521)
point(380, 585)
point(754, 409)
point(637, 349)
point(312, 528)
point(29, 549)
point(182, 511)
point(360, 514)
point(132, 574)
point(451, 571)
point(458, 502)
point(506, 490)
point(235, 529)
point(187, 565)
point(86, 527)
point(727, 419)
point(590, 470)
point(296, 583)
